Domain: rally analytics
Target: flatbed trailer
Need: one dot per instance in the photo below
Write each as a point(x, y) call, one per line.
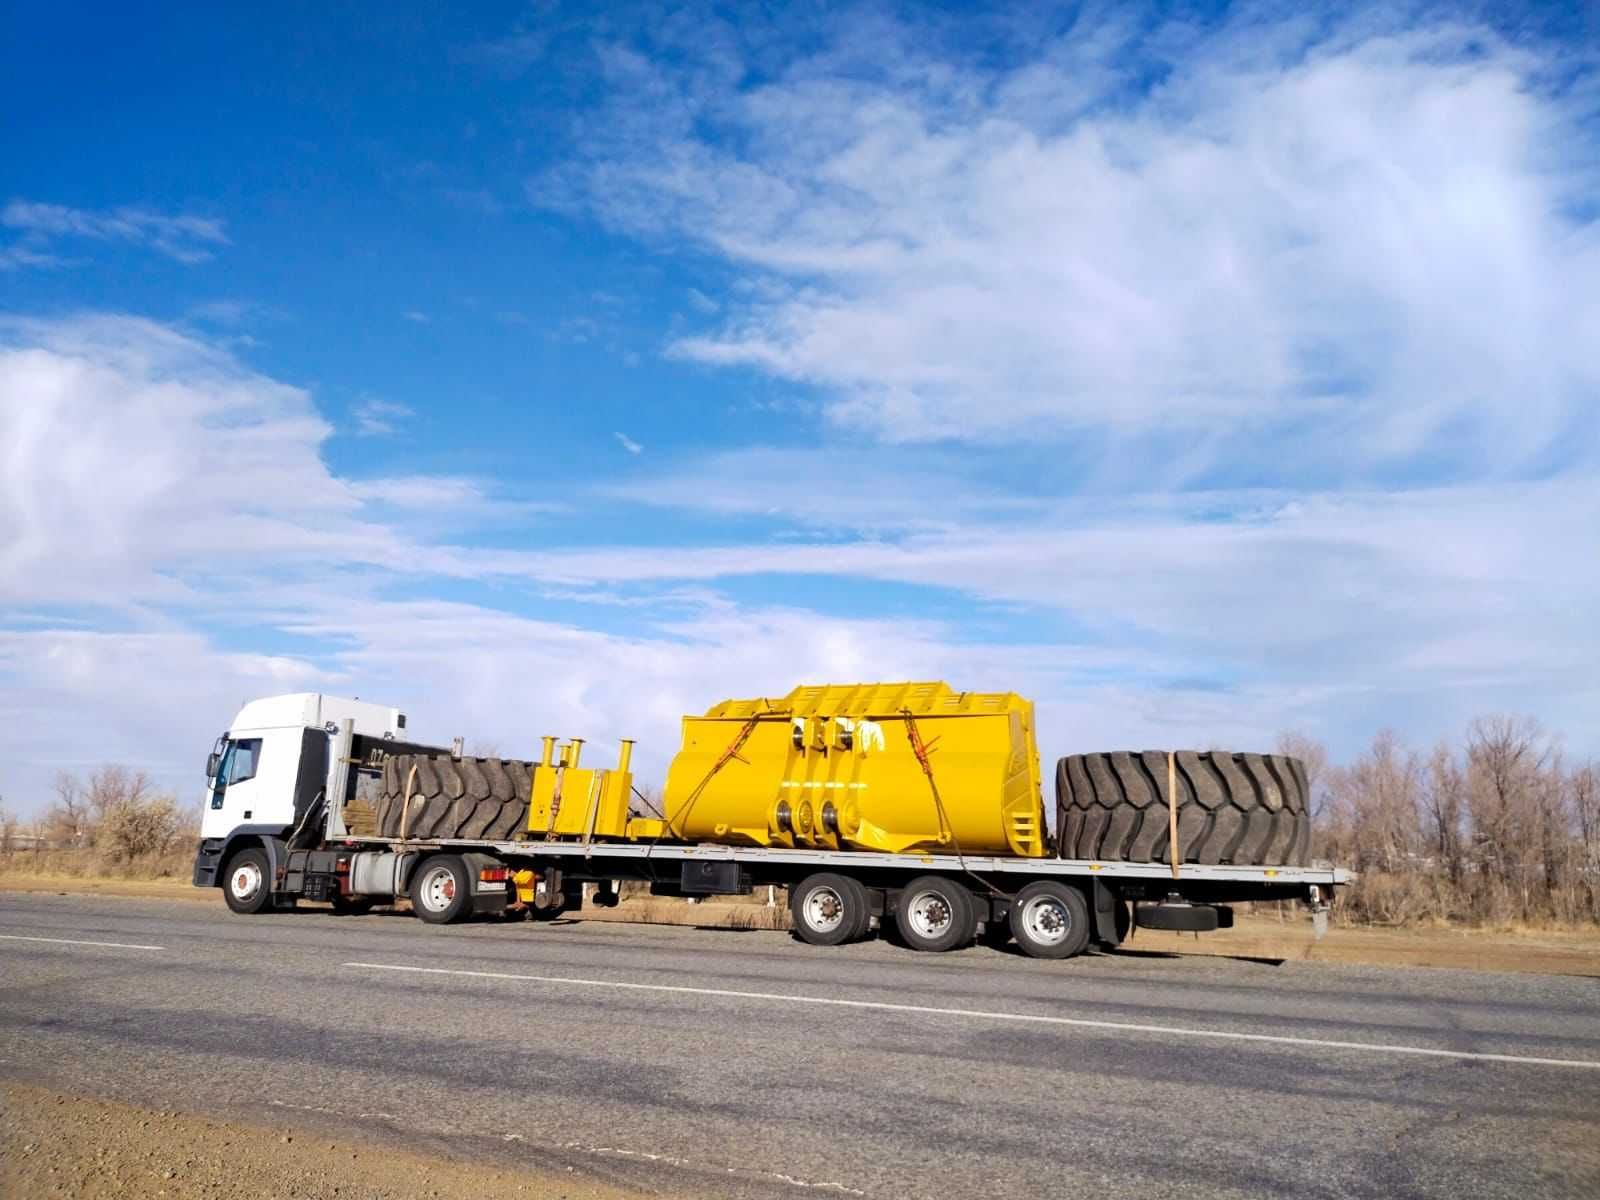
point(1053, 907)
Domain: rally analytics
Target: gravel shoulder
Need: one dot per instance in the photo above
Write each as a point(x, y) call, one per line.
point(58, 1145)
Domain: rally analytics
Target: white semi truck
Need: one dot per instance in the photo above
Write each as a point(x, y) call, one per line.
point(293, 785)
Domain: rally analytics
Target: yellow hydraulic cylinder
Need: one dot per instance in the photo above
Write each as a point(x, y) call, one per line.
point(878, 766)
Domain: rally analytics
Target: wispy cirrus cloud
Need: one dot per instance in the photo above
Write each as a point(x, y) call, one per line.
point(376, 417)
point(185, 238)
point(1362, 242)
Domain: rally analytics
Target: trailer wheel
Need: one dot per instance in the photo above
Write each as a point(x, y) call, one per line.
point(1050, 920)
point(829, 909)
point(247, 886)
point(935, 913)
point(440, 889)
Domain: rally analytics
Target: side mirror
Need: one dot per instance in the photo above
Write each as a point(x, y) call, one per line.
point(213, 761)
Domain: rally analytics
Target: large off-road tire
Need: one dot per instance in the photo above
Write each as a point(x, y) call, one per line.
point(1240, 809)
point(454, 797)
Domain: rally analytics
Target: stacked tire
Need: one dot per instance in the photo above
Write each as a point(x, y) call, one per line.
point(1233, 809)
point(450, 797)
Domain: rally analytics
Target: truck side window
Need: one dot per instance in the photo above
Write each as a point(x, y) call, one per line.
point(243, 760)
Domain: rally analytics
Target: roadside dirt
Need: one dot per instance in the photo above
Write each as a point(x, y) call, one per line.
point(57, 1145)
point(1543, 952)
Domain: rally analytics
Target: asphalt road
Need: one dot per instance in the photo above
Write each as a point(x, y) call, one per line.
point(700, 1062)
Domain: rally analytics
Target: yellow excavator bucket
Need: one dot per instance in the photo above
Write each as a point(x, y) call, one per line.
point(872, 766)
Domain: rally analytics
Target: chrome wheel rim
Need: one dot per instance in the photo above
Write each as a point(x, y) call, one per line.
point(1047, 920)
point(823, 909)
point(438, 889)
point(245, 881)
point(929, 914)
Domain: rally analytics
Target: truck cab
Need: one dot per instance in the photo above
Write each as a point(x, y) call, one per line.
point(267, 775)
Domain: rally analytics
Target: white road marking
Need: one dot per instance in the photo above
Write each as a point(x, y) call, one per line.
point(986, 1015)
point(672, 1160)
point(17, 937)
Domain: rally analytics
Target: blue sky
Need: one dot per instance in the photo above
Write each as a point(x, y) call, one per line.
point(1202, 371)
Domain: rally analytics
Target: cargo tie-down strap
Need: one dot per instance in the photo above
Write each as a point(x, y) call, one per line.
point(922, 749)
point(1173, 853)
point(728, 755)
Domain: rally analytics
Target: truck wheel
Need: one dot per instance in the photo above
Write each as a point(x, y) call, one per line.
point(246, 886)
point(935, 913)
point(829, 909)
point(440, 889)
point(1050, 920)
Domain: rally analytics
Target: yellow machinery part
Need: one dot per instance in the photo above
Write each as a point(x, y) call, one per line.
point(526, 882)
point(573, 801)
point(836, 767)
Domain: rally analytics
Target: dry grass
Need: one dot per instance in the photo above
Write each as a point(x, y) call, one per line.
point(89, 863)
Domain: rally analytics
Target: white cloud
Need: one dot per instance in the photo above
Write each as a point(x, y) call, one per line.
point(421, 492)
point(416, 317)
point(380, 418)
point(172, 541)
point(14, 258)
point(188, 239)
point(701, 302)
point(1365, 247)
point(627, 443)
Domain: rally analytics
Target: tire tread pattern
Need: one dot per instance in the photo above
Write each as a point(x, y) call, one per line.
point(455, 798)
point(1233, 809)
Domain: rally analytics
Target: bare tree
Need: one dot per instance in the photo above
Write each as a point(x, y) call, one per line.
point(1584, 789)
point(67, 821)
point(1506, 760)
point(1444, 801)
point(1376, 798)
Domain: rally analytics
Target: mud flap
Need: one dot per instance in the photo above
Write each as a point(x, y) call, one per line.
point(1104, 903)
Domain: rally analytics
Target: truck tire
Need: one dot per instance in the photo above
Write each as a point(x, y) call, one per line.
point(1050, 920)
point(935, 913)
point(247, 883)
point(454, 797)
point(1239, 809)
point(440, 889)
point(829, 909)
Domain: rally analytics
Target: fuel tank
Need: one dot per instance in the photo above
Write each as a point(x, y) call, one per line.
point(893, 767)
